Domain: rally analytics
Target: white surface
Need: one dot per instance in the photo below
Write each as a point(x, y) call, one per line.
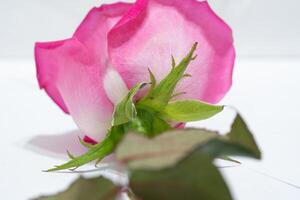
point(261, 27)
point(266, 93)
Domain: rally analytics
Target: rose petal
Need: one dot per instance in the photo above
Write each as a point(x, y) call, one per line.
point(154, 29)
point(72, 71)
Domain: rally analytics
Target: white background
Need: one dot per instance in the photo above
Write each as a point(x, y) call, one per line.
point(261, 27)
point(35, 133)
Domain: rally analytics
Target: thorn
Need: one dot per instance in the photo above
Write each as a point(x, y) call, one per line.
point(97, 162)
point(177, 94)
point(190, 55)
point(143, 85)
point(195, 45)
point(194, 58)
point(73, 169)
point(230, 159)
point(51, 169)
point(152, 79)
point(173, 62)
point(186, 75)
point(70, 155)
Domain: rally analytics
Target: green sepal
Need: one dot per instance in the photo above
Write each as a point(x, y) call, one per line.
point(148, 123)
point(159, 97)
point(125, 111)
point(189, 110)
point(152, 79)
point(98, 151)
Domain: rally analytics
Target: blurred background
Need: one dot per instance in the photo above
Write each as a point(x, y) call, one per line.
point(262, 28)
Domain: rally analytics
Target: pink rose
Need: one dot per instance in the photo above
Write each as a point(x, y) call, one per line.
point(87, 74)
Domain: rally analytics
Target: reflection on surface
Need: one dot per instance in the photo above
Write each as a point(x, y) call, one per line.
point(56, 145)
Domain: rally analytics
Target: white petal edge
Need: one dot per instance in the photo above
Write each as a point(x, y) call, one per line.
point(114, 86)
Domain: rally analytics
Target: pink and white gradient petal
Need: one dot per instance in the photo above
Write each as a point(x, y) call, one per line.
point(153, 30)
point(72, 71)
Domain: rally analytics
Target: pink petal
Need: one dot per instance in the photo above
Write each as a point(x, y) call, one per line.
point(72, 71)
point(153, 30)
point(51, 89)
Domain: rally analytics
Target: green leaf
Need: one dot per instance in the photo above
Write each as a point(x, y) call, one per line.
point(190, 110)
point(90, 189)
point(162, 151)
point(125, 111)
point(159, 97)
point(241, 135)
point(167, 149)
point(194, 178)
point(239, 141)
point(98, 151)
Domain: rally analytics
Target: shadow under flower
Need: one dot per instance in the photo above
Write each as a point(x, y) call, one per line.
point(57, 145)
